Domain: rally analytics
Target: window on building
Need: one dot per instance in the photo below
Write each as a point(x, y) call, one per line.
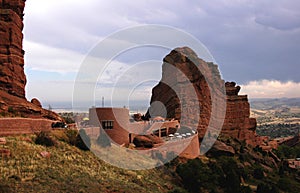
point(107, 124)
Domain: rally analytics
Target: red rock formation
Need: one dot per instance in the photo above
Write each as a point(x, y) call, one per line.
point(238, 123)
point(12, 77)
point(36, 102)
point(170, 91)
point(179, 101)
point(146, 141)
point(219, 148)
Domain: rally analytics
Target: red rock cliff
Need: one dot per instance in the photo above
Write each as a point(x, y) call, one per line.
point(237, 123)
point(12, 77)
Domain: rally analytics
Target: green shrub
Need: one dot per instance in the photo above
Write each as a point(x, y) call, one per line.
point(266, 188)
point(285, 184)
point(69, 120)
point(196, 176)
point(258, 173)
point(83, 141)
point(11, 110)
point(44, 138)
point(178, 190)
point(231, 182)
point(60, 135)
point(78, 138)
point(246, 189)
point(72, 136)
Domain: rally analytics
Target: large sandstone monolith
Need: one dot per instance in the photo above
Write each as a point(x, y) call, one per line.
point(12, 77)
point(237, 122)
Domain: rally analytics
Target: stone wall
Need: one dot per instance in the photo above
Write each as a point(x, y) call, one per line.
point(188, 147)
point(19, 126)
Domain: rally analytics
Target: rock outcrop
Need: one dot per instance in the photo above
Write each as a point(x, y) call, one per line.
point(183, 87)
point(36, 102)
point(238, 123)
point(12, 77)
point(172, 93)
point(146, 141)
point(221, 149)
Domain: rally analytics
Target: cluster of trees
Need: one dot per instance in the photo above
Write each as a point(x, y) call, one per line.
point(224, 174)
point(286, 152)
point(68, 117)
point(278, 130)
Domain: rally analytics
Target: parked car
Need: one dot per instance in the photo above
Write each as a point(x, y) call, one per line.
point(59, 125)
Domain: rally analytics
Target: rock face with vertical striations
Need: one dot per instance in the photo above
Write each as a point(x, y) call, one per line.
point(238, 123)
point(172, 92)
point(12, 76)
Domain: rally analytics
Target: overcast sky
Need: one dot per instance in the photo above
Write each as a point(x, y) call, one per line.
point(256, 43)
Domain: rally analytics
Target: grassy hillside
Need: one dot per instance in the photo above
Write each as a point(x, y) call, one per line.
point(70, 169)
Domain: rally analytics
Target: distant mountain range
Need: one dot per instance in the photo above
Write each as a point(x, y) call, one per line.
point(271, 103)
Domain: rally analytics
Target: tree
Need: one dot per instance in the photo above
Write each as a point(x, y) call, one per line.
point(196, 176)
point(258, 173)
point(83, 141)
point(232, 180)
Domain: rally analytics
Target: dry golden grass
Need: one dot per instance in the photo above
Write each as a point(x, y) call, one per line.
point(71, 170)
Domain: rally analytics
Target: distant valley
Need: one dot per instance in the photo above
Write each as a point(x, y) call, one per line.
point(276, 117)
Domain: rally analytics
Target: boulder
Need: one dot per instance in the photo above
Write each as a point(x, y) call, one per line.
point(146, 141)
point(2, 141)
point(36, 102)
point(45, 154)
point(221, 149)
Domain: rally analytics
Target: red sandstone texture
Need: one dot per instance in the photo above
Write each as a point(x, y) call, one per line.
point(237, 123)
point(19, 126)
point(12, 77)
point(147, 141)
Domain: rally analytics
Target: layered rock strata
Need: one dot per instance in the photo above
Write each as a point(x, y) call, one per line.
point(12, 77)
point(180, 103)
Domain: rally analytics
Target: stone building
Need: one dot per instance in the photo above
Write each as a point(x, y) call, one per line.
point(115, 122)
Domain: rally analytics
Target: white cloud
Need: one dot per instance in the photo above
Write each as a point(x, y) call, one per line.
point(271, 89)
point(251, 40)
point(50, 91)
point(45, 58)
